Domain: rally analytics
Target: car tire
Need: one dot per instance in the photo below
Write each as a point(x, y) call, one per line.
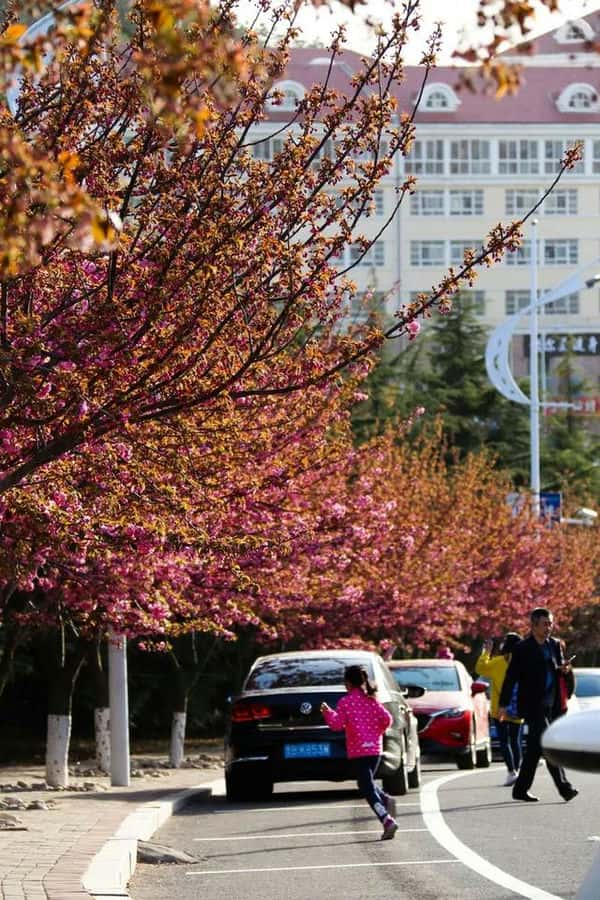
point(397, 783)
point(484, 755)
point(468, 760)
point(414, 776)
point(241, 787)
point(236, 788)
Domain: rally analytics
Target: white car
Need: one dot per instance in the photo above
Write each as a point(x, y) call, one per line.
point(587, 688)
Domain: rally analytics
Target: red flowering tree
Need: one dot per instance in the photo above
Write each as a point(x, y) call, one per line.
point(165, 298)
point(408, 552)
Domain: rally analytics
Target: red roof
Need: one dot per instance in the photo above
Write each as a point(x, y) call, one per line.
point(535, 101)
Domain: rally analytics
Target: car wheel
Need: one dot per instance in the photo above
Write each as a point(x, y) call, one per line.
point(414, 776)
point(484, 756)
point(240, 787)
point(236, 787)
point(468, 760)
point(397, 783)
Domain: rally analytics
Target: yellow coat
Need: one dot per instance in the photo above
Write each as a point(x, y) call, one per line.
point(494, 668)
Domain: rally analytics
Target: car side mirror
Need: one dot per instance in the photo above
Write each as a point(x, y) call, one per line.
point(478, 687)
point(412, 691)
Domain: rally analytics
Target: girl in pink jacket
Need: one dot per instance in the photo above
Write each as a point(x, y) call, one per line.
point(364, 720)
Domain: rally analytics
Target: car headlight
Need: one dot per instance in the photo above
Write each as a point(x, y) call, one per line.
point(454, 712)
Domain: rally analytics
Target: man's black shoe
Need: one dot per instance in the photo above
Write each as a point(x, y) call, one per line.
point(569, 794)
point(528, 798)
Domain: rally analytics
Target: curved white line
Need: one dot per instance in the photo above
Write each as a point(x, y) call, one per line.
point(432, 816)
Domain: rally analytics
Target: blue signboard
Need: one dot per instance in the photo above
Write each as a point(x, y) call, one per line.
point(550, 506)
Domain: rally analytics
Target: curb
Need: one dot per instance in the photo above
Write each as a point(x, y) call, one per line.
point(109, 872)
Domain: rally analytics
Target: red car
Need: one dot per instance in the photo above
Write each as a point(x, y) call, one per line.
point(452, 714)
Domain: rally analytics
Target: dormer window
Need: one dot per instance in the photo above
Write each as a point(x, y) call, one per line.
point(439, 98)
point(289, 94)
point(574, 32)
point(578, 98)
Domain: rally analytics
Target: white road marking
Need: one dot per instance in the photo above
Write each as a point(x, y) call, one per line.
point(301, 834)
point(367, 865)
point(432, 816)
point(291, 808)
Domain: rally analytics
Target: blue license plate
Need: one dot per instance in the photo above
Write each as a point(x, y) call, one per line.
point(313, 750)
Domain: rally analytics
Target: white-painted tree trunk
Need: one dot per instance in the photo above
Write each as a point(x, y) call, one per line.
point(177, 739)
point(102, 733)
point(57, 750)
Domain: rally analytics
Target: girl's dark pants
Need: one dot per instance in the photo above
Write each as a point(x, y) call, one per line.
point(366, 766)
point(509, 737)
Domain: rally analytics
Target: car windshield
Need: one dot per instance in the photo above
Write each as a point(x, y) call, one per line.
point(434, 678)
point(587, 685)
point(300, 672)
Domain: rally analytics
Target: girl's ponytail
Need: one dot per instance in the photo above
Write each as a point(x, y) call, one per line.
point(358, 677)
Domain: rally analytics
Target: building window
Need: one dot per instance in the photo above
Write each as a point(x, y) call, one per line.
point(518, 158)
point(516, 301)
point(289, 95)
point(517, 203)
point(425, 158)
point(566, 306)
point(427, 253)
point(521, 256)
point(439, 97)
point(267, 149)
point(561, 252)
point(578, 98)
point(472, 300)
point(466, 203)
point(553, 154)
point(574, 32)
point(457, 251)
point(470, 157)
point(596, 157)
point(375, 256)
point(427, 203)
point(436, 100)
point(561, 202)
point(379, 201)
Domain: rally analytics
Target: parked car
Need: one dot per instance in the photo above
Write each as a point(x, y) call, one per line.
point(453, 713)
point(587, 688)
point(275, 730)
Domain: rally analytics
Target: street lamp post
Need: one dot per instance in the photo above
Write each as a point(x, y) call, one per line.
point(498, 348)
point(534, 388)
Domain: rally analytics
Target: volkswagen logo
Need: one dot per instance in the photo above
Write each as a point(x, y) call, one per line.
point(306, 709)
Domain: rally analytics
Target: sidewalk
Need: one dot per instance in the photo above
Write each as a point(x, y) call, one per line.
point(85, 844)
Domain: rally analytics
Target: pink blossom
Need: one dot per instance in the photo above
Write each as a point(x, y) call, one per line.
point(44, 391)
point(413, 327)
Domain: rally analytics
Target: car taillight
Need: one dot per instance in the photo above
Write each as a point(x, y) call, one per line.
point(249, 712)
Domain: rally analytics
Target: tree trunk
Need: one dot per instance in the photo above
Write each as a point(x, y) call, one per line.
point(102, 736)
point(58, 739)
point(63, 665)
point(101, 706)
point(184, 657)
point(177, 739)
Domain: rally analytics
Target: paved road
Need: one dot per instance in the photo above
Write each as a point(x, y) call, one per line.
point(461, 838)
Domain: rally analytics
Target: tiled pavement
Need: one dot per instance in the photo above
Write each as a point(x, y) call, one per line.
point(85, 846)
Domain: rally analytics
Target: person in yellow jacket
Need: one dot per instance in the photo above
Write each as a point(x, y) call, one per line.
point(510, 729)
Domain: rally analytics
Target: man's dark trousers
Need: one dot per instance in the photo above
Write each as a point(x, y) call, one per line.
point(536, 726)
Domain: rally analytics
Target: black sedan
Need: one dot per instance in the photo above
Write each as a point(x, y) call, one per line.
point(276, 731)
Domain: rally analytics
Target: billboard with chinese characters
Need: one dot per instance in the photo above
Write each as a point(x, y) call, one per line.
point(584, 405)
point(558, 344)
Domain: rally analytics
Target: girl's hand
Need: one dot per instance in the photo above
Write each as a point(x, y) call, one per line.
point(324, 706)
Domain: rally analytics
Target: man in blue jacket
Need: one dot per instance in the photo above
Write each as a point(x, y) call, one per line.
point(534, 667)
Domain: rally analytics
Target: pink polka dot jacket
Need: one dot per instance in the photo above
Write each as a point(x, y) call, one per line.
point(364, 720)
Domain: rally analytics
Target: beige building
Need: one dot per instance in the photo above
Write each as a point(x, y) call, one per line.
point(480, 161)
